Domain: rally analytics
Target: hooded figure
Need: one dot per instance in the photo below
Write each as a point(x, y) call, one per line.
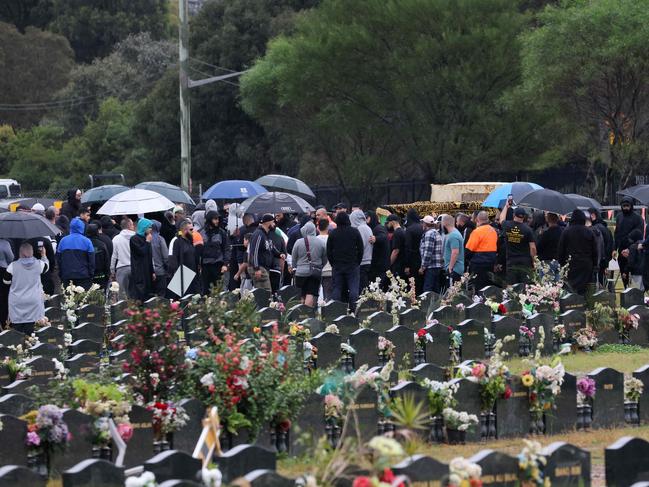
point(142, 275)
point(216, 250)
point(360, 222)
point(380, 250)
point(108, 227)
point(199, 216)
point(578, 246)
point(102, 256)
point(160, 253)
point(345, 253)
point(414, 232)
point(75, 257)
point(71, 207)
point(308, 258)
point(625, 222)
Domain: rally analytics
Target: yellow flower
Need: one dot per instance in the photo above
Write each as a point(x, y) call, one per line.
point(528, 380)
point(256, 329)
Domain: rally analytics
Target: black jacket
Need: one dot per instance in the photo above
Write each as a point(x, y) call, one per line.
point(609, 244)
point(108, 229)
point(261, 250)
point(414, 232)
point(216, 245)
point(183, 252)
point(344, 245)
point(578, 243)
point(380, 251)
point(71, 207)
point(141, 282)
point(625, 224)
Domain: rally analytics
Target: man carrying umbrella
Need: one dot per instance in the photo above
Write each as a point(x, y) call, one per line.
point(75, 257)
point(261, 252)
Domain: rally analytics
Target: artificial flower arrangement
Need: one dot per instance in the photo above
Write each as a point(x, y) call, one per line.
point(386, 349)
point(167, 418)
point(601, 317)
point(46, 430)
point(421, 338)
point(496, 307)
point(383, 452)
point(399, 295)
point(456, 291)
point(464, 473)
point(459, 420)
point(625, 322)
point(545, 290)
point(74, 297)
point(586, 389)
point(334, 409)
point(558, 333)
point(585, 338)
point(332, 329)
point(633, 389)
point(531, 463)
point(440, 395)
point(455, 345)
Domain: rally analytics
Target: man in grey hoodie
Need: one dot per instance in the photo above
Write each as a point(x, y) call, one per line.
point(359, 222)
point(309, 256)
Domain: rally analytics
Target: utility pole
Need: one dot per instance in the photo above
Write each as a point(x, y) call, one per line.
point(185, 84)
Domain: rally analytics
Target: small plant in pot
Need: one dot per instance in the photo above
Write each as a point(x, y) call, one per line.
point(457, 424)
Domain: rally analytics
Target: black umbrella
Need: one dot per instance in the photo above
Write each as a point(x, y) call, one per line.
point(23, 225)
point(549, 200)
point(101, 194)
point(639, 192)
point(286, 183)
point(584, 202)
point(275, 203)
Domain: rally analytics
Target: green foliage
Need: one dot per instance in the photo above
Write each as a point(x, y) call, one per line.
point(618, 348)
point(409, 414)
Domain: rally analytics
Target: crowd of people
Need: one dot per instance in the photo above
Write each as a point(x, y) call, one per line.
point(326, 254)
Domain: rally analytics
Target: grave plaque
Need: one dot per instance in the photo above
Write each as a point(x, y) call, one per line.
point(14, 475)
point(19, 386)
point(261, 297)
point(269, 315)
point(12, 440)
point(79, 447)
point(364, 414)
point(492, 292)
point(94, 473)
point(437, 351)
point(366, 344)
point(626, 461)
point(185, 438)
point(479, 312)
point(367, 308)
point(573, 320)
point(422, 471)
point(117, 311)
point(43, 370)
point(428, 371)
point(404, 344)
point(85, 346)
point(332, 310)
point(54, 314)
point(513, 307)
point(631, 296)
point(46, 350)
point(642, 374)
point(173, 464)
point(119, 356)
point(564, 417)
point(608, 403)
point(300, 312)
point(468, 399)
point(51, 335)
point(346, 325)
point(472, 339)
point(88, 331)
point(54, 300)
point(604, 297)
point(328, 345)
point(12, 337)
point(309, 425)
point(567, 465)
point(498, 469)
point(314, 325)
point(513, 414)
point(413, 318)
point(572, 301)
point(411, 389)
point(641, 335)
point(180, 483)
point(380, 322)
point(91, 313)
point(82, 364)
point(243, 459)
point(289, 293)
point(140, 446)
point(15, 404)
point(447, 315)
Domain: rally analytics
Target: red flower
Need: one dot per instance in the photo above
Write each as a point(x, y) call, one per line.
point(362, 482)
point(501, 309)
point(422, 333)
point(388, 476)
point(508, 392)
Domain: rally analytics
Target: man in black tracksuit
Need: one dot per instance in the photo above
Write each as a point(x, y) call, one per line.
point(216, 251)
point(261, 253)
point(345, 253)
point(625, 223)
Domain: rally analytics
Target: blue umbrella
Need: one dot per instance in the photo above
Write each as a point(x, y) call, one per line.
point(518, 190)
point(233, 190)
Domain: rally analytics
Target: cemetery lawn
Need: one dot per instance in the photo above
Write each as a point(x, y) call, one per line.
point(623, 358)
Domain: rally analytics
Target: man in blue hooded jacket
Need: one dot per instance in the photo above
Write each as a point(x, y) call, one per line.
point(75, 256)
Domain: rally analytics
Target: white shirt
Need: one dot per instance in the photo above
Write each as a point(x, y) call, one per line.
point(121, 250)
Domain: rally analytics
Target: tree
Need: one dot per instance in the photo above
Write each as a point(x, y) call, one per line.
point(24, 13)
point(588, 65)
point(93, 27)
point(398, 87)
point(34, 66)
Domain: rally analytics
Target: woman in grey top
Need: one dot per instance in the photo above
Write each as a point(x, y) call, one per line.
point(26, 303)
point(6, 258)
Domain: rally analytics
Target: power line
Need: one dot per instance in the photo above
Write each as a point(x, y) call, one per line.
point(209, 75)
point(54, 103)
point(212, 65)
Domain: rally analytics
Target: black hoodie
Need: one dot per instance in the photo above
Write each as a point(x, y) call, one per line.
point(414, 232)
point(381, 249)
point(625, 223)
point(344, 245)
point(107, 227)
point(71, 207)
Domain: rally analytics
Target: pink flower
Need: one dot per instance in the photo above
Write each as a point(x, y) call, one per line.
point(478, 370)
point(33, 439)
point(175, 305)
point(125, 430)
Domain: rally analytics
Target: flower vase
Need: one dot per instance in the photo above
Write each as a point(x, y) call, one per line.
point(491, 426)
point(588, 416)
point(455, 437)
point(37, 462)
point(484, 426)
point(580, 417)
point(437, 429)
point(556, 346)
point(419, 357)
point(282, 440)
point(536, 420)
point(635, 413)
point(106, 453)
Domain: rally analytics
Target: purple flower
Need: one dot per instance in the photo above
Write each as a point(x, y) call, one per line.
point(33, 439)
point(586, 386)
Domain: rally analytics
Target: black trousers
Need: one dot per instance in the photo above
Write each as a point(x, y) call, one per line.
point(211, 274)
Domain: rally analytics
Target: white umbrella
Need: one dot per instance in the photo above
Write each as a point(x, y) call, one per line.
point(135, 202)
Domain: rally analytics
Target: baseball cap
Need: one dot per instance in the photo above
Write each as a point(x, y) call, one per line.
point(520, 212)
point(267, 217)
point(393, 218)
point(428, 220)
point(38, 207)
point(340, 206)
point(178, 209)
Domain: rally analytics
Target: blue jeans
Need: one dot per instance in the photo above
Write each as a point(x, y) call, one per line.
point(432, 279)
point(346, 279)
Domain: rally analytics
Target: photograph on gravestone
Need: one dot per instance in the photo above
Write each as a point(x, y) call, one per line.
point(513, 414)
point(404, 345)
point(186, 437)
point(626, 461)
point(173, 464)
point(93, 472)
point(413, 318)
point(380, 322)
point(140, 446)
point(567, 465)
point(16, 404)
point(12, 445)
point(364, 415)
point(366, 344)
point(642, 374)
point(243, 459)
point(608, 403)
point(428, 371)
point(572, 301)
point(328, 345)
point(437, 351)
point(468, 399)
point(79, 447)
point(346, 325)
point(309, 426)
point(333, 309)
point(473, 340)
point(498, 469)
point(564, 416)
point(422, 470)
point(15, 475)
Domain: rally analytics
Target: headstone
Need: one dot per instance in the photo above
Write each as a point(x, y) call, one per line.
point(173, 464)
point(117, 311)
point(364, 413)
point(266, 478)
point(640, 336)
point(380, 322)
point(82, 364)
point(422, 470)
point(314, 325)
point(567, 465)
point(51, 335)
point(346, 325)
point(332, 310)
point(545, 321)
point(604, 297)
point(608, 403)
point(573, 320)
point(14, 475)
point(626, 461)
point(411, 389)
point(43, 370)
point(437, 351)
point(5, 376)
point(6, 353)
point(642, 374)
point(503, 326)
point(261, 297)
point(427, 300)
point(366, 344)
point(12, 337)
point(54, 314)
point(367, 308)
point(180, 483)
point(479, 312)
point(404, 344)
point(468, 399)
point(564, 416)
point(91, 313)
point(328, 345)
point(20, 386)
point(15, 404)
point(473, 340)
point(85, 346)
point(492, 292)
point(94, 473)
point(140, 446)
point(309, 424)
point(300, 312)
point(631, 296)
point(289, 294)
point(186, 437)
point(80, 445)
point(12, 440)
point(412, 318)
point(498, 469)
point(513, 414)
point(45, 350)
point(269, 315)
point(54, 300)
point(88, 331)
point(513, 307)
point(119, 356)
point(572, 301)
point(243, 459)
point(428, 371)
point(447, 315)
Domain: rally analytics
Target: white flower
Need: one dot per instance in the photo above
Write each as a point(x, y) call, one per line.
point(245, 362)
point(67, 339)
point(332, 329)
point(211, 477)
point(374, 286)
point(78, 289)
point(386, 371)
point(400, 303)
point(208, 379)
point(240, 382)
point(114, 287)
point(147, 479)
point(71, 316)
